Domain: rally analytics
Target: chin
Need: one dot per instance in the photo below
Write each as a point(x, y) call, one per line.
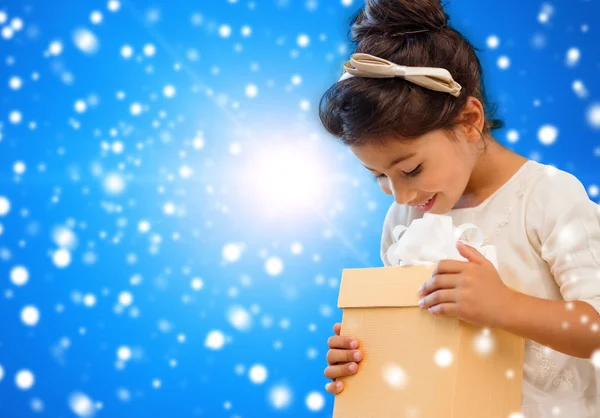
point(440, 207)
point(436, 211)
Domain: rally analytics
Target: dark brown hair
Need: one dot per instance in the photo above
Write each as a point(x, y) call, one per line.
point(411, 33)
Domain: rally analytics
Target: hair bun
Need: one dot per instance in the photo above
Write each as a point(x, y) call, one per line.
point(393, 17)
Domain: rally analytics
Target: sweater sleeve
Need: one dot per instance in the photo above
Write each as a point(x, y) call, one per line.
point(565, 225)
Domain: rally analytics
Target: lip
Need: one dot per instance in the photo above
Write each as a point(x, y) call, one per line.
point(427, 205)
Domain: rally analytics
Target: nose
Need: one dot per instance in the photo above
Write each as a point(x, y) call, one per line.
point(403, 195)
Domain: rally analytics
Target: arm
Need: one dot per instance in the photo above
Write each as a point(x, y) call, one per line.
point(564, 227)
point(568, 327)
point(565, 231)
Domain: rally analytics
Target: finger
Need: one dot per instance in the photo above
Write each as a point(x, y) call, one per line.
point(343, 356)
point(437, 282)
point(347, 343)
point(449, 267)
point(470, 253)
point(336, 328)
point(446, 309)
point(340, 370)
point(334, 387)
point(438, 297)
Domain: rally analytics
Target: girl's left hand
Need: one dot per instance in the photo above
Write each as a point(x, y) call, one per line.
point(473, 290)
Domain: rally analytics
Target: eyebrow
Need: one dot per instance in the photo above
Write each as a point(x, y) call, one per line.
point(396, 161)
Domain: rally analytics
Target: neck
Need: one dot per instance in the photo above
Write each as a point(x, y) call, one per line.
point(493, 168)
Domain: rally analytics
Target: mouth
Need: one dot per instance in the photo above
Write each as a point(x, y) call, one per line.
point(426, 206)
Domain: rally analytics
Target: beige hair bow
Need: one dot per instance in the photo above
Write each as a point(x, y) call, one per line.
point(365, 65)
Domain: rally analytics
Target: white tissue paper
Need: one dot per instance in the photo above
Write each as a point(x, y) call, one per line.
point(432, 239)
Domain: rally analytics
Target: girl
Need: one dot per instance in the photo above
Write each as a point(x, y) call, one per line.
point(411, 107)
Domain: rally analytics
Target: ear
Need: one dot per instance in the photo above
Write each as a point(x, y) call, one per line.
point(472, 119)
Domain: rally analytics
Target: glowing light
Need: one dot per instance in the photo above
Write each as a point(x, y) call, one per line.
point(285, 180)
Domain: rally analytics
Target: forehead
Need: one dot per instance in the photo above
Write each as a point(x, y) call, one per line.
point(393, 147)
point(383, 153)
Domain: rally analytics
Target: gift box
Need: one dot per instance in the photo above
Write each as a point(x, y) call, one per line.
point(415, 364)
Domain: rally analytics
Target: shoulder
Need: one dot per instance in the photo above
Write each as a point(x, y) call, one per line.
point(557, 202)
point(552, 188)
point(398, 215)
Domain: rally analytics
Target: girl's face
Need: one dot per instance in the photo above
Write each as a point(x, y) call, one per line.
point(431, 172)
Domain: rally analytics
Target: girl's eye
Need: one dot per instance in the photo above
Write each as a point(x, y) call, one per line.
point(415, 172)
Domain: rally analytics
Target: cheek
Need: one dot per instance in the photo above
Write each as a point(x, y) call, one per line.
point(454, 181)
point(434, 182)
point(430, 182)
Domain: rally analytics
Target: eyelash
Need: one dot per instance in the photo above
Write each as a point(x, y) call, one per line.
point(413, 173)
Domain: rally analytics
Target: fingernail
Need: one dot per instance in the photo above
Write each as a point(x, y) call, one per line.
point(353, 344)
point(421, 302)
point(357, 356)
point(352, 367)
point(420, 290)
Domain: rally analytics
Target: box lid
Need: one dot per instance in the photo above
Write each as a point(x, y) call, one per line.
point(382, 286)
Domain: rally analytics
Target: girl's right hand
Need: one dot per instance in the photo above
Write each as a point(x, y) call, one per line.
point(342, 359)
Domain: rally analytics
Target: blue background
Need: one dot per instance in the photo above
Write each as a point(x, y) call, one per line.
point(267, 213)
